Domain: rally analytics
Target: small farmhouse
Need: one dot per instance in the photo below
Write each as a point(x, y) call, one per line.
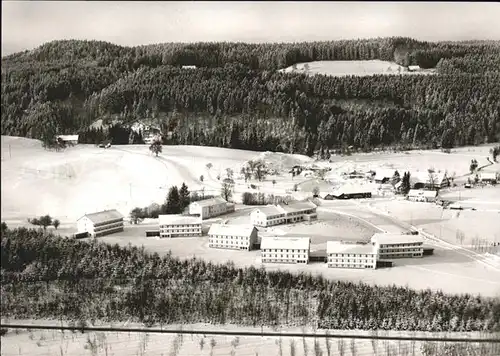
point(68, 139)
point(283, 213)
point(383, 176)
point(428, 196)
point(210, 208)
point(398, 245)
point(419, 180)
point(342, 255)
point(413, 68)
point(236, 237)
point(176, 225)
point(100, 223)
point(489, 177)
point(189, 67)
point(285, 249)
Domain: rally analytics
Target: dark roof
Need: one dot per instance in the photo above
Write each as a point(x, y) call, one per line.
point(103, 216)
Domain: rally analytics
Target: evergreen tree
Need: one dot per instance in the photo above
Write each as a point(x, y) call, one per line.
point(173, 205)
point(405, 184)
point(184, 195)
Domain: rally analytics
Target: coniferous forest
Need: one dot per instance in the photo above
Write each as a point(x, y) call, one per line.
point(44, 276)
point(236, 97)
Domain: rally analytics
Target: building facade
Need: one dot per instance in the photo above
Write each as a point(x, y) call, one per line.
point(176, 225)
point(285, 249)
point(428, 196)
point(210, 208)
point(236, 237)
point(100, 223)
point(340, 255)
point(283, 214)
point(391, 246)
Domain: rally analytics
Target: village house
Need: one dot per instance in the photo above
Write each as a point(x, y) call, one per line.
point(189, 67)
point(283, 213)
point(176, 225)
point(210, 208)
point(489, 177)
point(427, 180)
point(340, 255)
point(68, 139)
point(100, 223)
point(285, 249)
point(391, 246)
point(413, 68)
point(237, 237)
point(417, 195)
point(384, 175)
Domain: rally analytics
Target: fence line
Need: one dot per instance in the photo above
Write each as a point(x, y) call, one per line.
point(251, 333)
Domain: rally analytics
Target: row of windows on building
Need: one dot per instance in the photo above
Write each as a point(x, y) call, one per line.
point(264, 255)
point(389, 250)
point(350, 260)
point(264, 260)
point(350, 255)
point(230, 237)
point(283, 250)
point(343, 265)
point(108, 227)
point(402, 245)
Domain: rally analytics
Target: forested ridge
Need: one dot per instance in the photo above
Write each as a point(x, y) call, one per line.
point(44, 276)
point(236, 97)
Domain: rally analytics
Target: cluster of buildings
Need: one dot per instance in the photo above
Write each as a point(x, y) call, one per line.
point(273, 249)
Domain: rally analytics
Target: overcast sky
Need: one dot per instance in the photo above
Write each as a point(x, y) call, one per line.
point(28, 24)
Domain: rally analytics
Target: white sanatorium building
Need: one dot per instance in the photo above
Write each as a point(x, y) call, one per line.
point(101, 223)
point(391, 246)
point(210, 208)
point(283, 213)
point(238, 237)
point(285, 249)
point(179, 225)
point(341, 255)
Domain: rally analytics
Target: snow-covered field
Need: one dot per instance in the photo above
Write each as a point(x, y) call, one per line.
point(86, 179)
point(53, 342)
point(359, 68)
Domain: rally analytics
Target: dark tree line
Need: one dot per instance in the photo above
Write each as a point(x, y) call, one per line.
point(48, 277)
point(237, 99)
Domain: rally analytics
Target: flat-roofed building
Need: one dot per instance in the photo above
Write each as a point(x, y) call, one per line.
point(210, 208)
point(236, 237)
point(340, 255)
point(418, 195)
point(100, 223)
point(398, 245)
point(285, 249)
point(284, 213)
point(176, 225)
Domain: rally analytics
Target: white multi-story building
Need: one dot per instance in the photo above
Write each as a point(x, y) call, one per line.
point(340, 255)
point(237, 237)
point(283, 213)
point(100, 223)
point(285, 249)
point(210, 208)
point(391, 246)
point(175, 225)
